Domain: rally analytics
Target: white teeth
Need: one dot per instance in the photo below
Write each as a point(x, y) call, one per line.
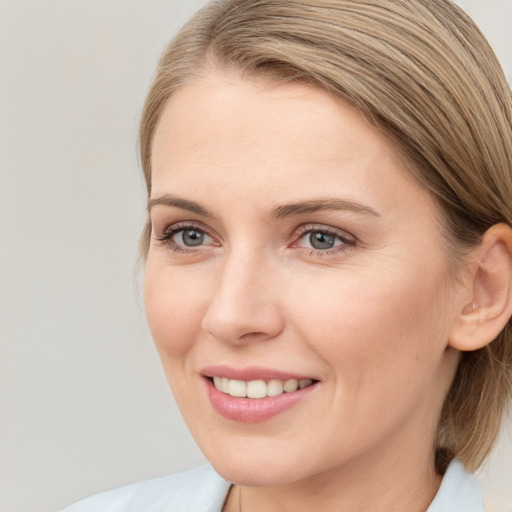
point(304, 383)
point(256, 389)
point(237, 388)
point(291, 385)
point(275, 387)
point(259, 388)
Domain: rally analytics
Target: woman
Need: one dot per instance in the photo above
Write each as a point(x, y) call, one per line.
point(328, 255)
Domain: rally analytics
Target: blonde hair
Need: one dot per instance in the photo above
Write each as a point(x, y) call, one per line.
point(422, 72)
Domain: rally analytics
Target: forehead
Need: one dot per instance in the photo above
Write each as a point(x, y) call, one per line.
point(259, 119)
point(270, 139)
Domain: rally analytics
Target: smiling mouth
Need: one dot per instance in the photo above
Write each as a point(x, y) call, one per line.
point(259, 388)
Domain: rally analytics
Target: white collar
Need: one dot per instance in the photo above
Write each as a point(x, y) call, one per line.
point(459, 492)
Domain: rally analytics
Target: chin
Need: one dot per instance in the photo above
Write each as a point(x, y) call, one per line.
point(259, 460)
point(243, 471)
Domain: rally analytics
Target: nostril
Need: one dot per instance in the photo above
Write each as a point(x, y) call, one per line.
point(252, 336)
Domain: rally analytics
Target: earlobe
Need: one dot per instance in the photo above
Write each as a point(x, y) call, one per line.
point(490, 307)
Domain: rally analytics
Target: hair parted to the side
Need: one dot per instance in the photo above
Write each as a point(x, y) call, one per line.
point(422, 72)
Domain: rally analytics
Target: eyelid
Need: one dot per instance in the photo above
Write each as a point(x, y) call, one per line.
point(165, 235)
point(186, 224)
point(308, 228)
point(348, 241)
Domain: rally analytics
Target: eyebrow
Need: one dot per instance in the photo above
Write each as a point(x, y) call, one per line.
point(279, 212)
point(315, 205)
point(178, 202)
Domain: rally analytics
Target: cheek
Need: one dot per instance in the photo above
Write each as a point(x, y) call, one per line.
point(380, 327)
point(175, 306)
point(382, 344)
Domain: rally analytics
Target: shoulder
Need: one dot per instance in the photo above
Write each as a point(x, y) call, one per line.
point(198, 490)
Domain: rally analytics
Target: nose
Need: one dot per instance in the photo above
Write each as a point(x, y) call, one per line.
point(245, 306)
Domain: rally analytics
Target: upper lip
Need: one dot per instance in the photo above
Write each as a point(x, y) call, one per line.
point(249, 373)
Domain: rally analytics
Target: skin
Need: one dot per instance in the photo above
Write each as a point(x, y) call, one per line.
point(369, 319)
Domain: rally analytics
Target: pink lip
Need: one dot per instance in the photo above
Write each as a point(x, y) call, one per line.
point(250, 410)
point(250, 373)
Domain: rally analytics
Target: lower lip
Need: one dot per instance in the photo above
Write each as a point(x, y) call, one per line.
point(254, 410)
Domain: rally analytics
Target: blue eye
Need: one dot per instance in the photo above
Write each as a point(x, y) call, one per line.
point(323, 240)
point(320, 240)
point(185, 237)
point(190, 237)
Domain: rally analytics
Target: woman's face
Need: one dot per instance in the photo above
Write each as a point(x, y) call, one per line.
point(290, 244)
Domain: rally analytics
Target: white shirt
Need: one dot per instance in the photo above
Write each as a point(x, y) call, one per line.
point(203, 490)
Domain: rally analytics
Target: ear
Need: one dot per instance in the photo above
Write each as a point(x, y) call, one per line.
point(488, 310)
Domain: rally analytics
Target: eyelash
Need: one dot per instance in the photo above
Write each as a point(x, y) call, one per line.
point(166, 239)
point(347, 241)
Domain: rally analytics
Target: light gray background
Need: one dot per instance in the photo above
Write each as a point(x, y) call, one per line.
point(85, 405)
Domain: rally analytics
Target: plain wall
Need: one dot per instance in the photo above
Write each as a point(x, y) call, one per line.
point(84, 402)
